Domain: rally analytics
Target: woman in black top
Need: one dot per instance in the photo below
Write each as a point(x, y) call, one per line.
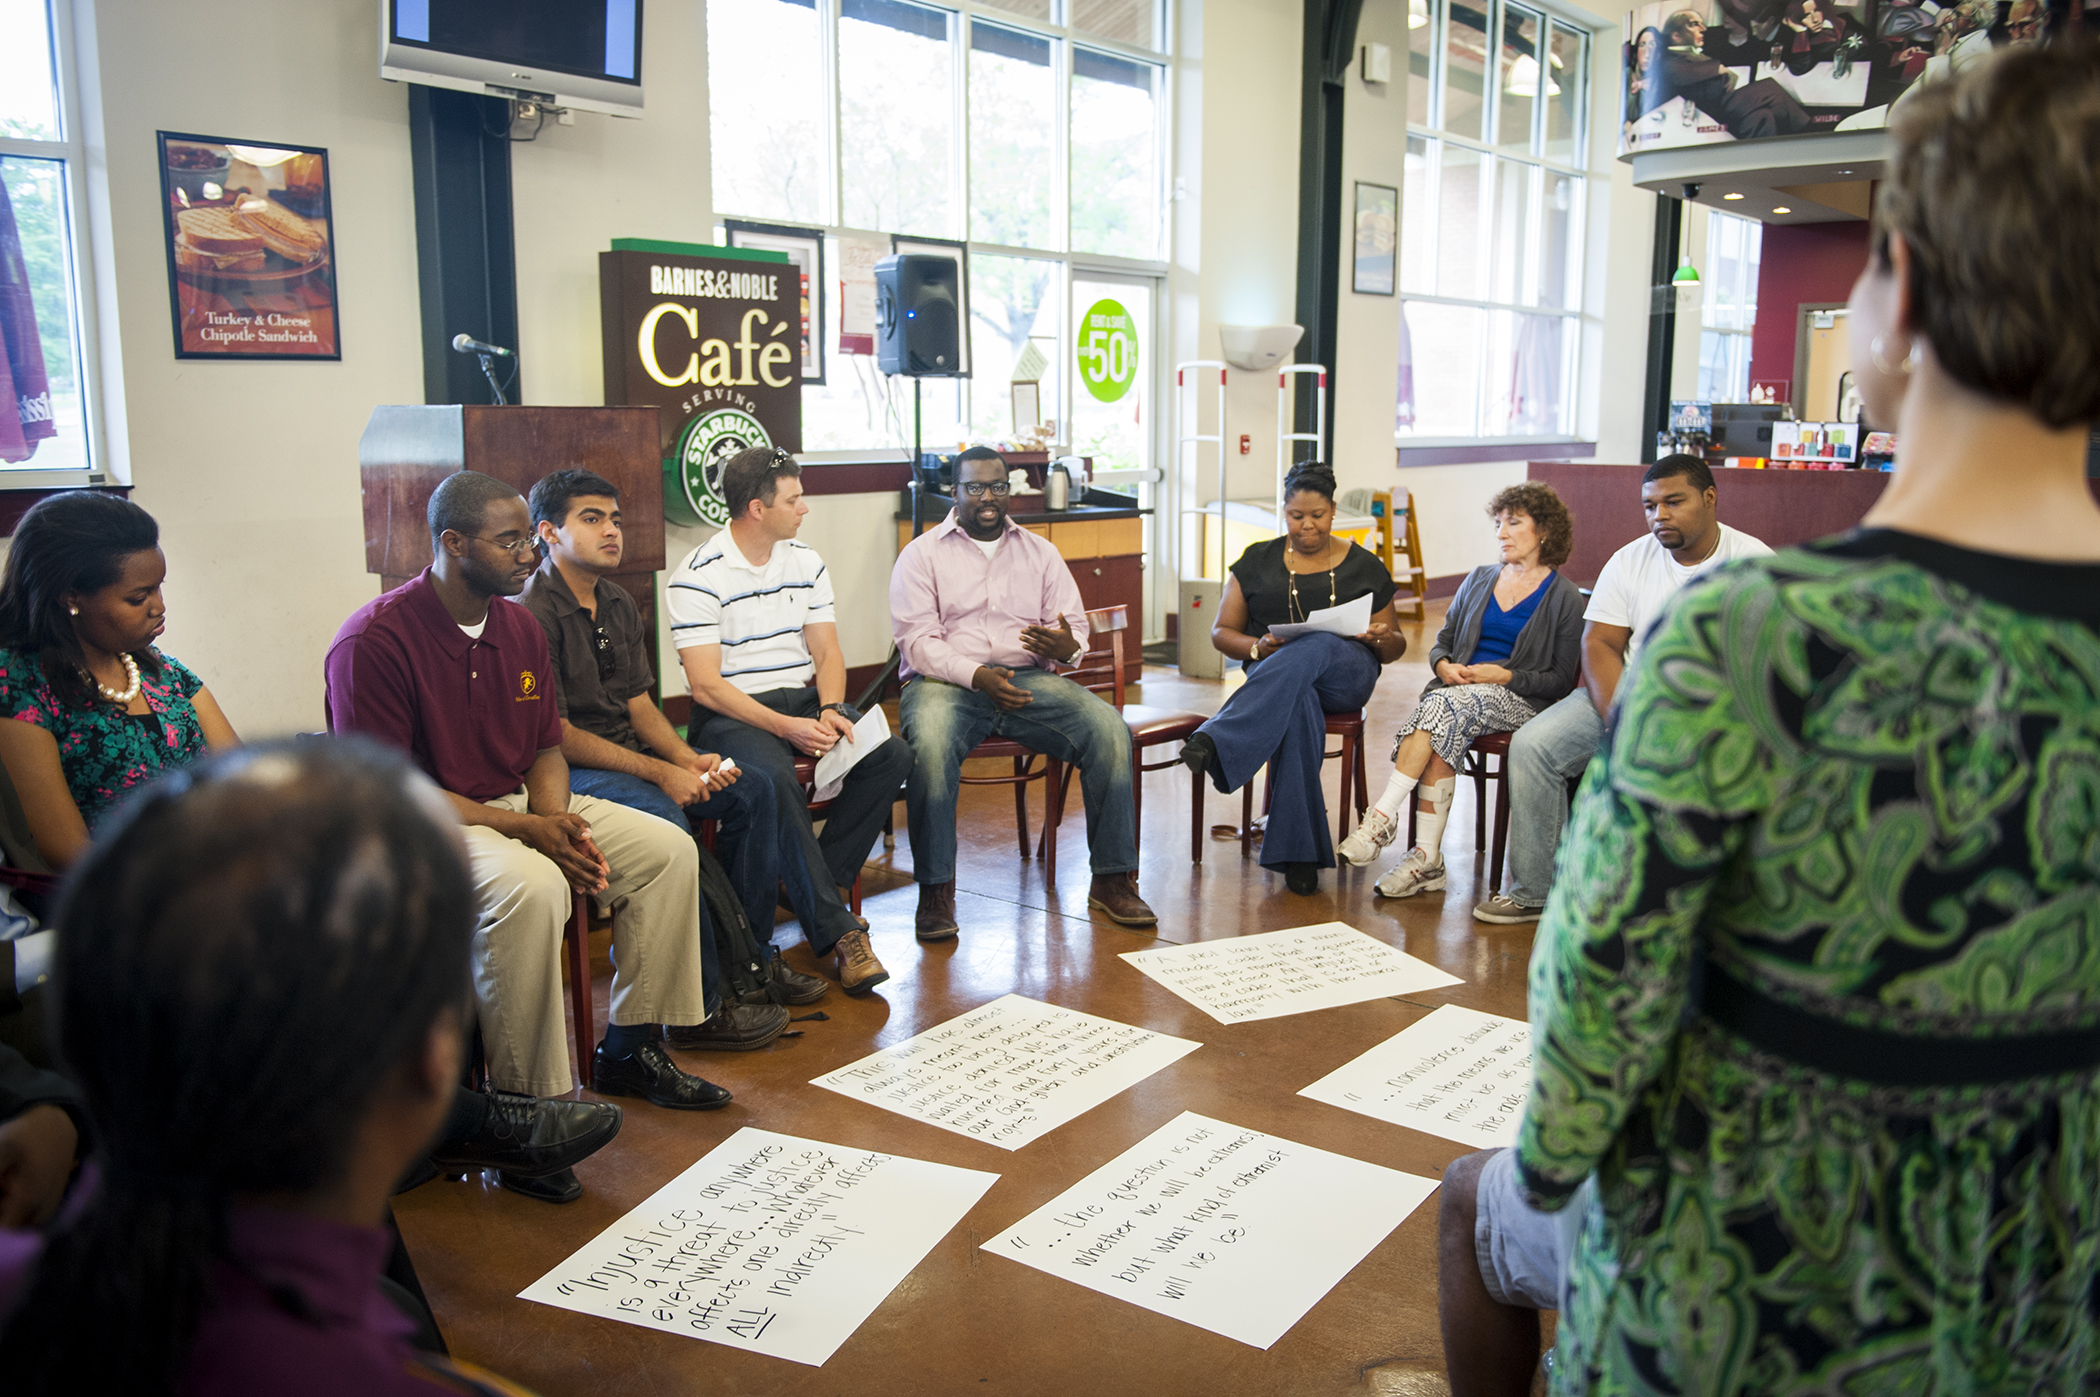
point(1280, 714)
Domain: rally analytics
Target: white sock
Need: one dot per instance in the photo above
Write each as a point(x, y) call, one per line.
point(1394, 800)
point(1429, 823)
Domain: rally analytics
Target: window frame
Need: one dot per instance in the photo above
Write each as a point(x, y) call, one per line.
point(71, 152)
point(1584, 222)
point(1745, 289)
point(1065, 39)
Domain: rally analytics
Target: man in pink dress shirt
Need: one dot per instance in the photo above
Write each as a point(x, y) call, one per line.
point(984, 612)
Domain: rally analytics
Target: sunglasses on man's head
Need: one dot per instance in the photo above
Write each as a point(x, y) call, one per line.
point(607, 661)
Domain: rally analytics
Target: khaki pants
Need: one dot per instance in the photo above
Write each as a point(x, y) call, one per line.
point(654, 890)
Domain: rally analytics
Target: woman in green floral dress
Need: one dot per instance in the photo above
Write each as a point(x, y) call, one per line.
point(1817, 998)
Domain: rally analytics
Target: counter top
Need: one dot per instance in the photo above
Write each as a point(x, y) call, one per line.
point(1029, 509)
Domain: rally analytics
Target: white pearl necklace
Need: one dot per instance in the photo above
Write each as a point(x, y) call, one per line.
point(131, 673)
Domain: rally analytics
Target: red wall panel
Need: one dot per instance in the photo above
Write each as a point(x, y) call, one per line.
point(1806, 264)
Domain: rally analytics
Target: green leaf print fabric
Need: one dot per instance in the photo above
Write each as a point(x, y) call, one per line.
point(1865, 799)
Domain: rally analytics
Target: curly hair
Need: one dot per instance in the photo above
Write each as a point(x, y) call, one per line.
point(1555, 525)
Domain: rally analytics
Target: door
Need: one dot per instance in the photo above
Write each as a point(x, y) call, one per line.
point(1113, 391)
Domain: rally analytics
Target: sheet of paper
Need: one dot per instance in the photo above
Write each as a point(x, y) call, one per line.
point(1458, 1073)
point(771, 1243)
point(1227, 1229)
point(1009, 1072)
point(1350, 618)
point(870, 732)
point(1287, 972)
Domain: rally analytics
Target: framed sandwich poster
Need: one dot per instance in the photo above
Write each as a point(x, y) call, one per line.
point(251, 250)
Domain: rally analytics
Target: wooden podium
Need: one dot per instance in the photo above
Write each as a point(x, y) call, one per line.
point(407, 450)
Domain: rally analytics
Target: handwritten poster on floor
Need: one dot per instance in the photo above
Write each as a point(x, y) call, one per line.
point(1009, 1072)
point(1458, 1073)
point(1287, 972)
point(770, 1243)
point(1228, 1229)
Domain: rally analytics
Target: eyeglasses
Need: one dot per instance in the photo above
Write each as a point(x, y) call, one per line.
point(607, 660)
point(978, 489)
point(523, 548)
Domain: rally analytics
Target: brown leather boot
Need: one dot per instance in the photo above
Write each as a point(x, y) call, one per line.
point(859, 971)
point(1115, 894)
point(936, 919)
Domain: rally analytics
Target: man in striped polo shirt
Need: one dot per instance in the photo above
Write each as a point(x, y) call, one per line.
point(752, 617)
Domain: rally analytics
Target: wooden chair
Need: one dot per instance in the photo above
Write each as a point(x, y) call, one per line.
point(1493, 746)
point(1399, 518)
point(576, 946)
point(1149, 726)
point(1349, 727)
point(806, 773)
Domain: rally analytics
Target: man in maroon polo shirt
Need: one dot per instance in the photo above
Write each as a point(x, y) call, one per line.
point(463, 684)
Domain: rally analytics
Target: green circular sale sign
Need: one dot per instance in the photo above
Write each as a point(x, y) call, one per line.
point(1108, 351)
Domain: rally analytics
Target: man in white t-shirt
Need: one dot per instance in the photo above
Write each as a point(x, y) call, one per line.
point(757, 633)
point(1684, 541)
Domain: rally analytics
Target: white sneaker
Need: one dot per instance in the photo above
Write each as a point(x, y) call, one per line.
point(1372, 833)
point(1413, 874)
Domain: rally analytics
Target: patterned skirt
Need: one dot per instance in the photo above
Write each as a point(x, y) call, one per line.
point(1455, 717)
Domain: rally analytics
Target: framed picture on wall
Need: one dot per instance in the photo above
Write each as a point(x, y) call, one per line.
point(1377, 238)
point(251, 249)
point(901, 246)
point(805, 248)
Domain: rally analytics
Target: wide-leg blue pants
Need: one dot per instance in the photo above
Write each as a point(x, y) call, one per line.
point(1281, 714)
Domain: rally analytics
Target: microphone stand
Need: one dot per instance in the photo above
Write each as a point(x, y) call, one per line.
point(488, 371)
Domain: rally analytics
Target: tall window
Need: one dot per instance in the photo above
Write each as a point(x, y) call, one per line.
point(1032, 131)
point(1492, 218)
point(44, 378)
point(1732, 249)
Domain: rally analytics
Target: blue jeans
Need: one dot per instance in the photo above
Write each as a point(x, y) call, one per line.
point(1281, 715)
point(942, 722)
point(1544, 755)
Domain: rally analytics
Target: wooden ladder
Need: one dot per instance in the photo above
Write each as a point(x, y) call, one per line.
point(1412, 581)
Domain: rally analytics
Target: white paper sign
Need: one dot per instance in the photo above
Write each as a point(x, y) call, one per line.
point(1287, 972)
point(1349, 618)
point(770, 1243)
point(1010, 1072)
point(870, 732)
point(1227, 1229)
point(1458, 1073)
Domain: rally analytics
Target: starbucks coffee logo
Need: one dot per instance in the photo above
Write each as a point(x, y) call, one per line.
point(704, 447)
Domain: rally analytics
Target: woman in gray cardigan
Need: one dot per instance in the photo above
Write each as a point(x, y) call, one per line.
point(1511, 645)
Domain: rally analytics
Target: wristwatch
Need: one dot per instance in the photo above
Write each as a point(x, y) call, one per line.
point(851, 714)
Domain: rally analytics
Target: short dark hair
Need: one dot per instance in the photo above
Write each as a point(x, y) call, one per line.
point(1309, 475)
point(1555, 525)
point(1678, 463)
point(979, 453)
point(754, 474)
point(461, 501)
point(549, 500)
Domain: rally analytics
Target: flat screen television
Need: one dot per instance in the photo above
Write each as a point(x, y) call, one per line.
point(562, 53)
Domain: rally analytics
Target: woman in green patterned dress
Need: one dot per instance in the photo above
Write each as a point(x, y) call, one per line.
point(1817, 999)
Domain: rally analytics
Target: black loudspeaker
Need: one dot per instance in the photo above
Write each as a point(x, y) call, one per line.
point(916, 327)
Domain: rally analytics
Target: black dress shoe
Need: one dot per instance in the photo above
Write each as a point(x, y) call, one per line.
point(1302, 878)
point(530, 1136)
point(801, 988)
point(649, 1073)
point(1200, 755)
point(733, 1028)
point(562, 1186)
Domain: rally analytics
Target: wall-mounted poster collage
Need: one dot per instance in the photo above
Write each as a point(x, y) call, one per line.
point(1730, 70)
point(251, 256)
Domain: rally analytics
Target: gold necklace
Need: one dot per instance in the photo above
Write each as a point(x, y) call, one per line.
point(1297, 612)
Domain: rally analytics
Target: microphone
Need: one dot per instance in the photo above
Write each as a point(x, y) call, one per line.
point(465, 344)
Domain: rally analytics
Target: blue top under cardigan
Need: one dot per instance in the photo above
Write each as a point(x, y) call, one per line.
point(1545, 664)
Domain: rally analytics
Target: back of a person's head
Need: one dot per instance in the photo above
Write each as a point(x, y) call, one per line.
point(75, 541)
point(1994, 185)
point(247, 952)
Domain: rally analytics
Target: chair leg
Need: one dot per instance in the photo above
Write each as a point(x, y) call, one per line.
point(1246, 817)
point(1021, 803)
point(1363, 784)
point(1196, 780)
point(853, 895)
point(578, 945)
point(1414, 808)
point(889, 827)
point(1350, 759)
point(1501, 823)
point(1479, 765)
point(1053, 810)
point(1137, 795)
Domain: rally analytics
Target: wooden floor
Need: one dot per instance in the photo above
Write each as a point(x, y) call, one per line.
point(966, 1321)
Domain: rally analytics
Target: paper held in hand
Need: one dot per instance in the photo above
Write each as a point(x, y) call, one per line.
point(1007, 1072)
point(1457, 1073)
point(870, 732)
point(1351, 618)
point(771, 1243)
point(1287, 972)
point(1218, 1226)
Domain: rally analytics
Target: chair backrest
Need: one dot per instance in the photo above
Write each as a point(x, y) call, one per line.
point(1104, 679)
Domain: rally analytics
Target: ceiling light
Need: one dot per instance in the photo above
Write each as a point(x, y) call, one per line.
point(1687, 274)
point(1524, 78)
point(1782, 209)
point(1417, 13)
point(1731, 196)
